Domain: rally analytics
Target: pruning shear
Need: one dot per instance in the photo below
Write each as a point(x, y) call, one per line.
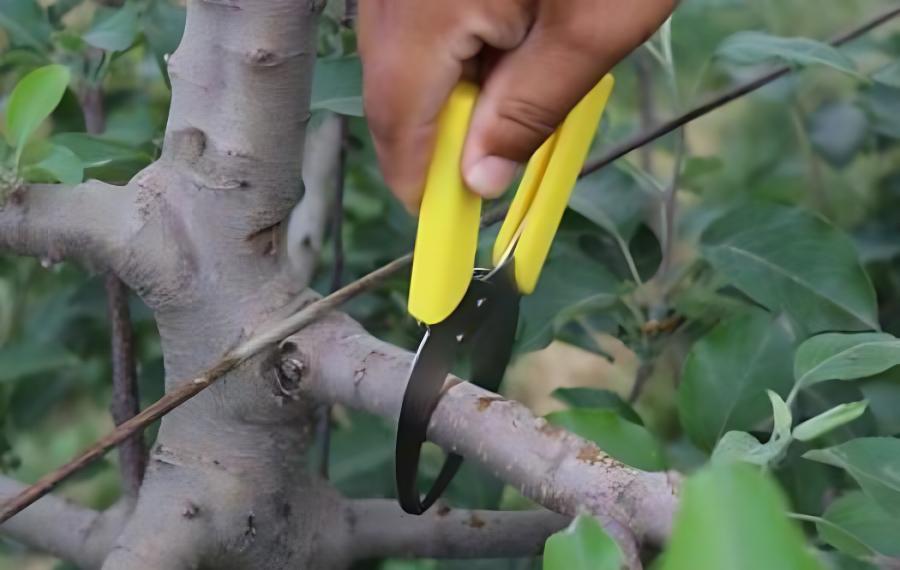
point(478, 309)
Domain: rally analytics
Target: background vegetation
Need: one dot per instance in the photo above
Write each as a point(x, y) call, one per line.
point(670, 327)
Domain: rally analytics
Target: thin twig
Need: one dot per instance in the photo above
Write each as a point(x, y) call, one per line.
point(722, 99)
point(312, 312)
point(125, 402)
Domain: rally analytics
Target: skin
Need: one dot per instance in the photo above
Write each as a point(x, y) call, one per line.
point(534, 59)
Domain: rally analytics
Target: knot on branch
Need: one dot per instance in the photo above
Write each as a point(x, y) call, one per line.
point(289, 371)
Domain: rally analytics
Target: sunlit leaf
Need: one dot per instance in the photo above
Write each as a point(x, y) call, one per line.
point(741, 446)
point(827, 421)
point(32, 101)
point(842, 356)
point(752, 48)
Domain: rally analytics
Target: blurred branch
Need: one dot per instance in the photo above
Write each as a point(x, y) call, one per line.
point(64, 529)
point(736, 92)
point(382, 530)
point(125, 402)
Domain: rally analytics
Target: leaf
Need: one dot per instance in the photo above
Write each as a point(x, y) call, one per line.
point(752, 48)
point(26, 23)
point(841, 356)
point(855, 524)
point(889, 75)
point(116, 32)
point(337, 86)
point(163, 26)
point(716, 393)
point(584, 545)
point(883, 105)
point(741, 446)
point(789, 260)
point(838, 131)
point(732, 517)
point(875, 464)
point(569, 282)
point(102, 158)
point(628, 442)
point(58, 164)
point(32, 101)
point(597, 399)
point(22, 360)
point(825, 422)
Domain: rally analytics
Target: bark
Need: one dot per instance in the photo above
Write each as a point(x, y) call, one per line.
point(547, 464)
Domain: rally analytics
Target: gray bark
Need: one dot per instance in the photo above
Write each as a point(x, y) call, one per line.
point(201, 236)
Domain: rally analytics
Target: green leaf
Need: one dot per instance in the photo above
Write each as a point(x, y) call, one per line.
point(337, 86)
point(584, 545)
point(726, 375)
point(569, 282)
point(855, 524)
point(792, 261)
point(875, 464)
point(598, 399)
point(26, 23)
point(752, 48)
point(732, 517)
point(104, 159)
point(838, 132)
point(883, 105)
point(889, 75)
point(22, 360)
point(628, 442)
point(32, 101)
point(825, 422)
point(116, 32)
point(741, 446)
point(842, 356)
point(163, 25)
point(58, 164)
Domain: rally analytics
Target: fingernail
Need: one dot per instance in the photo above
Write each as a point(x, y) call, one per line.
point(491, 175)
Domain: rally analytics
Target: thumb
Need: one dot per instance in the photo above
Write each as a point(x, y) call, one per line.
point(531, 89)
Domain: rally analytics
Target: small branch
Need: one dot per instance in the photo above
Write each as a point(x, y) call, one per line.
point(125, 401)
point(381, 530)
point(547, 464)
point(265, 338)
point(722, 99)
point(64, 529)
point(88, 223)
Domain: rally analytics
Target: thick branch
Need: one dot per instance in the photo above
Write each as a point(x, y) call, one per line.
point(88, 223)
point(66, 530)
point(379, 529)
point(558, 470)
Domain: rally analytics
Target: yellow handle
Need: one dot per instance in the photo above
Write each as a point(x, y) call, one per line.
point(447, 236)
point(550, 176)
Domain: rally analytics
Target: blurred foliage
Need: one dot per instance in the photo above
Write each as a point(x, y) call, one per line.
point(786, 232)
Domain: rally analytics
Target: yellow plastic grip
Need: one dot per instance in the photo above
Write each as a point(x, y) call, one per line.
point(536, 212)
point(447, 235)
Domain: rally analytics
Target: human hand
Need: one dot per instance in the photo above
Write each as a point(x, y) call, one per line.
point(534, 59)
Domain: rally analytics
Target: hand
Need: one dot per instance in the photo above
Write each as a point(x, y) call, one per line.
point(535, 59)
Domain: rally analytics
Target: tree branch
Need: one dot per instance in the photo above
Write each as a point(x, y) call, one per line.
point(66, 530)
point(89, 223)
point(379, 529)
point(306, 225)
point(736, 92)
point(554, 468)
